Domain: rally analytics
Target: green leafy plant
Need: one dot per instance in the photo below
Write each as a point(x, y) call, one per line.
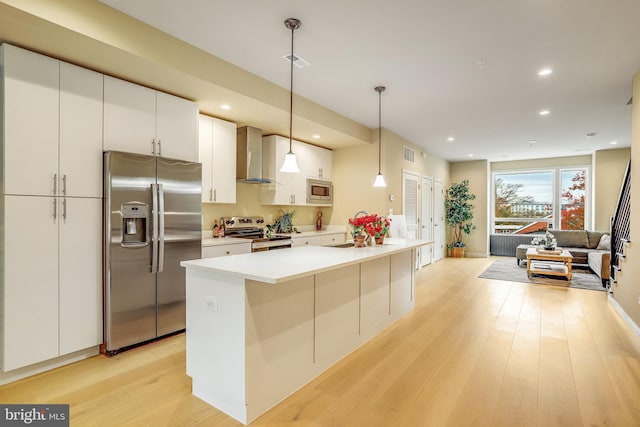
point(284, 224)
point(459, 212)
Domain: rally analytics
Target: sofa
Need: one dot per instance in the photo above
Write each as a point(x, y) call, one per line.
point(588, 248)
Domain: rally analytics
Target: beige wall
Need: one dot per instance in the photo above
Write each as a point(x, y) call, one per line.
point(626, 291)
point(608, 172)
point(355, 168)
point(477, 172)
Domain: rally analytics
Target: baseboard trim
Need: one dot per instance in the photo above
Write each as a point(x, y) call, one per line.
point(624, 315)
point(27, 371)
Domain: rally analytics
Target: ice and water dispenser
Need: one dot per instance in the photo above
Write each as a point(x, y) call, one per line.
point(134, 224)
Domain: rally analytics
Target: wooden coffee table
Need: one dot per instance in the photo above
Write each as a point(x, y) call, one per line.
point(549, 263)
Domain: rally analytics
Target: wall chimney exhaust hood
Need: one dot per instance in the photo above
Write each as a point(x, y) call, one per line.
point(249, 156)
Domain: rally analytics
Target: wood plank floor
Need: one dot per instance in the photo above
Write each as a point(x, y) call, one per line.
point(473, 352)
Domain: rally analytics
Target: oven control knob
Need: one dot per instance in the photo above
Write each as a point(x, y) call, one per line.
point(260, 221)
point(230, 222)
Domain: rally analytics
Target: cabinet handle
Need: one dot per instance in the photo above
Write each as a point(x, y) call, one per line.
point(228, 252)
point(153, 147)
point(211, 195)
point(319, 172)
point(64, 185)
point(64, 208)
point(215, 196)
point(55, 209)
point(55, 184)
point(159, 148)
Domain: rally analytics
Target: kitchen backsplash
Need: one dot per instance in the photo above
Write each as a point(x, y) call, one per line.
point(248, 204)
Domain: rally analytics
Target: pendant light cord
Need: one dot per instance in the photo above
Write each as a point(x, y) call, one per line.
point(379, 129)
point(379, 89)
point(293, 28)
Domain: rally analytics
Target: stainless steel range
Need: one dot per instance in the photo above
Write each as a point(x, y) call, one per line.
point(252, 227)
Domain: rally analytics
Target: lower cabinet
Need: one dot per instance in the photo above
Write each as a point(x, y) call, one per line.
point(52, 290)
point(224, 250)
point(322, 240)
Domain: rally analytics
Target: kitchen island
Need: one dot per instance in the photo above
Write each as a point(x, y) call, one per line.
point(262, 325)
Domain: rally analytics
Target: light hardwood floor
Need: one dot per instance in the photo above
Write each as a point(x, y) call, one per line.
point(473, 352)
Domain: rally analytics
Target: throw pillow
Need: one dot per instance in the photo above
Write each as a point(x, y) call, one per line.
point(605, 243)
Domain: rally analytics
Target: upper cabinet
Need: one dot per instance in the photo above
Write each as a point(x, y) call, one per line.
point(53, 121)
point(217, 153)
point(145, 121)
point(291, 188)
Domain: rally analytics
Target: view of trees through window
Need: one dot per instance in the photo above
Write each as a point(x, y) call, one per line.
point(532, 202)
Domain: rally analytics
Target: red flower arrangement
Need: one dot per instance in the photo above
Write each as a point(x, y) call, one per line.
point(374, 225)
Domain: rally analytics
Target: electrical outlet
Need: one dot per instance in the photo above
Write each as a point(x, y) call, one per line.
point(211, 303)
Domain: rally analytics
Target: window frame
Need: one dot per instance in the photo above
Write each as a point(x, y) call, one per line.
point(556, 196)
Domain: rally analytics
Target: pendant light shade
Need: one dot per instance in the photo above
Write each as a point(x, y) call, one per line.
point(290, 164)
point(379, 182)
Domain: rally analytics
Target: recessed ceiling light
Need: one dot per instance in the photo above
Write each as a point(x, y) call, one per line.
point(544, 112)
point(451, 139)
point(545, 72)
point(613, 142)
point(225, 107)
point(470, 155)
point(316, 136)
point(481, 63)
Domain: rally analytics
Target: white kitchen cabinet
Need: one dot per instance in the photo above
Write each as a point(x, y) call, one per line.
point(30, 299)
point(51, 265)
point(291, 188)
point(145, 121)
point(333, 239)
point(31, 97)
point(80, 167)
point(52, 282)
point(224, 250)
point(217, 153)
point(176, 127)
point(80, 274)
point(53, 126)
point(306, 241)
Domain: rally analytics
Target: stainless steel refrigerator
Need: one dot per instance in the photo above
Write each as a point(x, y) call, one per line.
point(152, 221)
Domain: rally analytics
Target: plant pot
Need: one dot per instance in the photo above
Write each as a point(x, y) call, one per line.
point(457, 252)
point(358, 241)
point(380, 240)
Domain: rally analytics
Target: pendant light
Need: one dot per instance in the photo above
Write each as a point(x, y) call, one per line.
point(290, 164)
point(379, 182)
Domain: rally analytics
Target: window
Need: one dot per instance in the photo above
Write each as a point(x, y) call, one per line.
point(532, 201)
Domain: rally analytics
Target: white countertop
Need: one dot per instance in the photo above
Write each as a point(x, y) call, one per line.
point(287, 264)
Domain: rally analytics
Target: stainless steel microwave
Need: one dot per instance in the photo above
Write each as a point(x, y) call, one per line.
point(319, 192)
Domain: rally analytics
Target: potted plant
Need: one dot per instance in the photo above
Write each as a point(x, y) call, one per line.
point(458, 215)
point(377, 227)
point(358, 231)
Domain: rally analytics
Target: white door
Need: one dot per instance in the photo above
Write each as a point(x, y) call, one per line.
point(129, 117)
point(80, 269)
point(426, 219)
point(438, 220)
point(80, 131)
point(176, 127)
point(30, 281)
point(410, 196)
point(31, 96)
point(224, 161)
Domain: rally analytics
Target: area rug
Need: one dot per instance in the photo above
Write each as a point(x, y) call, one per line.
point(506, 269)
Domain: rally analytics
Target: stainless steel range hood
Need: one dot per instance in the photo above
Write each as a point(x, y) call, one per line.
point(249, 156)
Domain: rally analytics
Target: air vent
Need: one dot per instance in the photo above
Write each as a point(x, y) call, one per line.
point(298, 61)
point(408, 154)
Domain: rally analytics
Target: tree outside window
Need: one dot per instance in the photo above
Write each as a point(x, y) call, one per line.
point(573, 197)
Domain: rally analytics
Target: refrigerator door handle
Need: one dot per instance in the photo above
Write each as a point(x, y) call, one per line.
point(154, 230)
point(161, 228)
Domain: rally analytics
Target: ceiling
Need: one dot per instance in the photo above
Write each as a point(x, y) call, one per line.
point(460, 69)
